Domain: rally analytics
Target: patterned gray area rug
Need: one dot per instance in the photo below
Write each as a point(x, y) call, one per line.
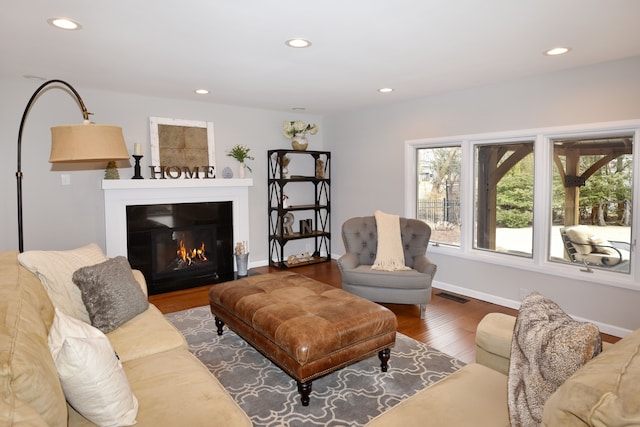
point(351, 396)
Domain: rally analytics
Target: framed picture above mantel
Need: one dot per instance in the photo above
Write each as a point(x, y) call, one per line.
point(182, 143)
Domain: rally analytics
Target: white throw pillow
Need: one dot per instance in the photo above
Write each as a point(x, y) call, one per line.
point(55, 270)
point(92, 377)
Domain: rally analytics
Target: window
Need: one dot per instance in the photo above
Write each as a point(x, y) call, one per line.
point(438, 190)
point(504, 175)
point(527, 193)
point(592, 196)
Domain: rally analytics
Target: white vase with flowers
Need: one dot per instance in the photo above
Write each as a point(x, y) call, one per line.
point(297, 131)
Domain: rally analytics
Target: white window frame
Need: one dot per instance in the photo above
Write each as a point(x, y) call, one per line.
point(543, 160)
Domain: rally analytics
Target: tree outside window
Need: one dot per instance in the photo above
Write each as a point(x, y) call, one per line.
point(504, 191)
point(438, 185)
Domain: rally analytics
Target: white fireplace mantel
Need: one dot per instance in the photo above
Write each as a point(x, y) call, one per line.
point(118, 194)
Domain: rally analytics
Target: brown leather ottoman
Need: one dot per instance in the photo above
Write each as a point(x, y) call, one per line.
point(306, 327)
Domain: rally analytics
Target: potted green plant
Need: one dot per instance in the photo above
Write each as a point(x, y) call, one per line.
point(241, 154)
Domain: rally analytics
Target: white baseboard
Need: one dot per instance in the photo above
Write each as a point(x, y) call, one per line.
point(477, 295)
point(606, 328)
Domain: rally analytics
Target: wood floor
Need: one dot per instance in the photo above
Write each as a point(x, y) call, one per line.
point(449, 326)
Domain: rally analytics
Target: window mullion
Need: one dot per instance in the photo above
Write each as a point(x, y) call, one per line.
point(542, 197)
point(467, 196)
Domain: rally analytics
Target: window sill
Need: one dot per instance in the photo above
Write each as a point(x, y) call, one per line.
point(570, 271)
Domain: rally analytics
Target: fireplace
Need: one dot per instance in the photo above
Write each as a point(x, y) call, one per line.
point(213, 213)
point(181, 245)
point(190, 251)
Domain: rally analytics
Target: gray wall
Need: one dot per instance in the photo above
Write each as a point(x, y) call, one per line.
point(65, 217)
point(367, 165)
point(369, 161)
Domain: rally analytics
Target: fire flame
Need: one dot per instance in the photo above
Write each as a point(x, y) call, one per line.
point(190, 256)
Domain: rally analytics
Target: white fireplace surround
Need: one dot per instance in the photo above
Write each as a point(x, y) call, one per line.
point(118, 194)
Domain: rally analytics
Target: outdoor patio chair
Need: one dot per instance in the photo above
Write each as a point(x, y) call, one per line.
point(585, 247)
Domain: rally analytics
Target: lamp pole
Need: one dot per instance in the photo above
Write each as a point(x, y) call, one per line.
point(85, 115)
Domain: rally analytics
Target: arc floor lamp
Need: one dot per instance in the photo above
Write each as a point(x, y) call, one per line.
point(85, 142)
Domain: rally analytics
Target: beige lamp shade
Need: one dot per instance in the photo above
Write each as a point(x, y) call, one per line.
point(87, 142)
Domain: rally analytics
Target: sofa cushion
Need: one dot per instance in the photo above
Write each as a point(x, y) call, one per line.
point(55, 270)
point(604, 392)
point(30, 393)
point(472, 396)
point(137, 274)
point(364, 275)
point(91, 375)
point(548, 346)
point(493, 341)
point(147, 333)
point(110, 293)
point(176, 389)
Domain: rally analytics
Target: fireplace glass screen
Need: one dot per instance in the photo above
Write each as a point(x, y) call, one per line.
point(179, 246)
point(183, 250)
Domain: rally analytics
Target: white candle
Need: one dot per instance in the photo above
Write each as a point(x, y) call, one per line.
point(137, 149)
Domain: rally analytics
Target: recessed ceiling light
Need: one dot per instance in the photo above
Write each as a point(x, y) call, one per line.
point(64, 23)
point(385, 90)
point(298, 108)
point(201, 91)
point(557, 51)
point(298, 43)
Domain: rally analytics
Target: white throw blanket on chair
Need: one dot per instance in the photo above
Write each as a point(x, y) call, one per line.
point(390, 254)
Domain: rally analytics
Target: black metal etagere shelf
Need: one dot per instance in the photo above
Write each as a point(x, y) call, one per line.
point(282, 228)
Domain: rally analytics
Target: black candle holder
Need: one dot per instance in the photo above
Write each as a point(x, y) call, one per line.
point(136, 168)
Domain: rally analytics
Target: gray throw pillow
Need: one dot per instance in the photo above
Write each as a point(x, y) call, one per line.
point(111, 293)
point(548, 347)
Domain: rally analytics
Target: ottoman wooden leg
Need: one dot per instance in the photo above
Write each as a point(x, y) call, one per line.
point(305, 390)
point(384, 356)
point(219, 325)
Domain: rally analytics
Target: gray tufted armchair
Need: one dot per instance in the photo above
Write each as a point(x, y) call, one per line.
point(413, 286)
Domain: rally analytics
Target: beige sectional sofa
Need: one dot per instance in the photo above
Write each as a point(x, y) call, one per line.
point(604, 392)
point(172, 387)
